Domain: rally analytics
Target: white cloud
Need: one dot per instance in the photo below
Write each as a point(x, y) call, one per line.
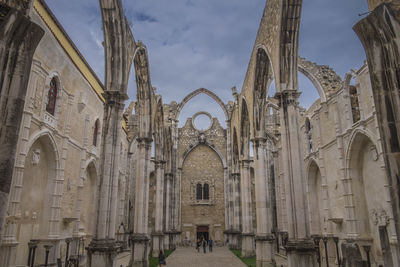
point(208, 43)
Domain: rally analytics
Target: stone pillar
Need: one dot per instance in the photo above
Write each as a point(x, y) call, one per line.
point(228, 193)
point(158, 235)
point(19, 37)
point(167, 209)
point(234, 242)
point(300, 248)
point(379, 33)
point(247, 218)
point(102, 250)
point(140, 239)
point(264, 237)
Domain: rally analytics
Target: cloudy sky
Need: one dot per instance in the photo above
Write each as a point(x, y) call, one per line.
point(207, 43)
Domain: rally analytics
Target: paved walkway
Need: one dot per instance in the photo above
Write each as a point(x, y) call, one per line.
point(189, 257)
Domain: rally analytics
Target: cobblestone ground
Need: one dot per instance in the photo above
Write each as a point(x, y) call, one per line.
point(189, 257)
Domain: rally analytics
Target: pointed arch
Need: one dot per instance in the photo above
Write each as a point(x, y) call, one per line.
point(197, 92)
point(262, 80)
point(187, 152)
point(159, 131)
point(244, 131)
point(45, 133)
point(363, 168)
point(235, 152)
point(314, 193)
point(144, 91)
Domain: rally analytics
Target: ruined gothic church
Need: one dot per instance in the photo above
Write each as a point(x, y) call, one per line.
point(84, 175)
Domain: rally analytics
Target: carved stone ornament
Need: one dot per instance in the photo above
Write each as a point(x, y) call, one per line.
point(35, 156)
point(373, 153)
point(202, 138)
point(379, 217)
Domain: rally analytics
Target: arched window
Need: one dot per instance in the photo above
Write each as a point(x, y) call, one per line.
point(355, 107)
point(96, 132)
point(206, 191)
point(52, 97)
point(199, 192)
point(309, 135)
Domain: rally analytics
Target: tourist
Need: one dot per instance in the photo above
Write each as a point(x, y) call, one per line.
point(161, 259)
point(210, 245)
point(198, 245)
point(204, 245)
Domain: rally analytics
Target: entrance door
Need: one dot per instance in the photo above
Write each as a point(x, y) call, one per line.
point(202, 232)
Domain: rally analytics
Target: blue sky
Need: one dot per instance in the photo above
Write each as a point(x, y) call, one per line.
point(208, 43)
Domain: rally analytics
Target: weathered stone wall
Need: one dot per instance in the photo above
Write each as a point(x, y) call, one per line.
point(202, 164)
point(351, 186)
point(54, 190)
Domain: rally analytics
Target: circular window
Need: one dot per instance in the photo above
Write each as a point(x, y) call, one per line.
point(202, 121)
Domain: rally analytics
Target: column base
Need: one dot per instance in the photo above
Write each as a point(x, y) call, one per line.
point(234, 241)
point(265, 250)
point(7, 253)
point(158, 243)
point(102, 253)
point(166, 242)
point(301, 253)
point(140, 251)
point(248, 245)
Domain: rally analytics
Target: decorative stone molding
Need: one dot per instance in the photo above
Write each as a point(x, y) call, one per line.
point(35, 156)
point(322, 76)
point(379, 217)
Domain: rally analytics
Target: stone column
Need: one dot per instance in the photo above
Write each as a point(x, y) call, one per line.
point(234, 242)
point(247, 218)
point(19, 37)
point(300, 248)
point(102, 250)
point(228, 182)
point(264, 237)
point(158, 235)
point(140, 239)
point(379, 33)
point(168, 211)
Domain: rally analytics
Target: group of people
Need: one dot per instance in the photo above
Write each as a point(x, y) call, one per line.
point(202, 242)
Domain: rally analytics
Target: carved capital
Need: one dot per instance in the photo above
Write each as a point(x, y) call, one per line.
point(288, 98)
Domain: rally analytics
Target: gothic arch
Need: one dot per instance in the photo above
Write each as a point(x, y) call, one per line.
point(47, 134)
point(315, 199)
point(303, 69)
point(244, 131)
point(262, 80)
point(144, 91)
point(46, 152)
point(235, 152)
point(187, 152)
point(362, 165)
point(159, 131)
point(197, 92)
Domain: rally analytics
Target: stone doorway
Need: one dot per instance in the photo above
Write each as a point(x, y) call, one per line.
point(202, 232)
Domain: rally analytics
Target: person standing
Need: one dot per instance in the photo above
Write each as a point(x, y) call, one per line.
point(210, 245)
point(204, 245)
point(198, 245)
point(161, 259)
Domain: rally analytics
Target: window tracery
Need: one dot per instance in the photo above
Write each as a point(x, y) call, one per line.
point(52, 97)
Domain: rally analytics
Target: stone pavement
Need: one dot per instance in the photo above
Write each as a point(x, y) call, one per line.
point(189, 257)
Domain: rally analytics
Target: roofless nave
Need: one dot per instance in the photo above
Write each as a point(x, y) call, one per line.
point(319, 189)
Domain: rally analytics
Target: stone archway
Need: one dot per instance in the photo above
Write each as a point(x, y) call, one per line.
point(203, 166)
point(38, 185)
point(315, 198)
point(197, 92)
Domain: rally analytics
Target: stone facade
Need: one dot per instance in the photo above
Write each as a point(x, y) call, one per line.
point(56, 174)
point(319, 187)
point(201, 153)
